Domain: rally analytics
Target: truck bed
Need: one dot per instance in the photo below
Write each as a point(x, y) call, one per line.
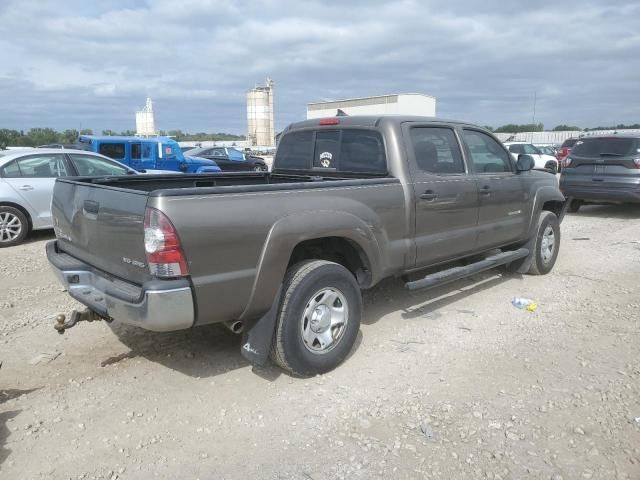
point(163, 185)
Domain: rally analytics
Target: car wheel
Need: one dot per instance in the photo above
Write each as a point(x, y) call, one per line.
point(543, 248)
point(574, 206)
point(14, 226)
point(553, 166)
point(319, 318)
point(259, 168)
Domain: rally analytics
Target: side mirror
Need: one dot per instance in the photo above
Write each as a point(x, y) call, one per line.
point(525, 162)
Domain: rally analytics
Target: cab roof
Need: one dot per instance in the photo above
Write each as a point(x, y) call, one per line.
point(120, 138)
point(369, 121)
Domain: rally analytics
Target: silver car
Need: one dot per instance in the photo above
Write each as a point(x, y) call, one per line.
point(26, 185)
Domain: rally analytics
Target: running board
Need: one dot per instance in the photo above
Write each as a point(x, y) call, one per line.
point(456, 273)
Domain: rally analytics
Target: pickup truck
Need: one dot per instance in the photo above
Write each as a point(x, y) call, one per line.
point(142, 154)
point(282, 256)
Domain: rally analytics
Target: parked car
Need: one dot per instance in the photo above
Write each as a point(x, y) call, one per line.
point(564, 150)
point(542, 160)
point(282, 256)
point(230, 160)
point(602, 170)
point(26, 186)
point(155, 153)
point(546, 149)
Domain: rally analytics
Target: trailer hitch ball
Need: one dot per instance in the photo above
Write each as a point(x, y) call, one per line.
point(59, 325)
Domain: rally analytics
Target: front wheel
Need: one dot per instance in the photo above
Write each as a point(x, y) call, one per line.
point(574, 206)
point(319, 318)
point(544, 247)
point(259, 168)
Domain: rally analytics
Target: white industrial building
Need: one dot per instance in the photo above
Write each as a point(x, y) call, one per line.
point(260, 127)
point(399, 104)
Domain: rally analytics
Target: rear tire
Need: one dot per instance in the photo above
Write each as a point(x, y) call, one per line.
point(14, 226)
point(318, 319)
point(574, 206)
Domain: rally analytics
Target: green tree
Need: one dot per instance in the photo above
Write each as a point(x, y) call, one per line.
point(86, 131)
point(70, 136)
point(514, 128)
point(564, 128)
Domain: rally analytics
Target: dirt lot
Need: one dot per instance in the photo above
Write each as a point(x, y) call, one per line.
point(453, 383)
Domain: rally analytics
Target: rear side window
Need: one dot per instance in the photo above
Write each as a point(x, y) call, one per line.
point(42, 166)
point(606, 147)
point(112, 150)
point(570, 142)
point(89, 165)
point(436, 150)
point(295, 151)
point(348, 150)
point(11, 170)
point(135, 151)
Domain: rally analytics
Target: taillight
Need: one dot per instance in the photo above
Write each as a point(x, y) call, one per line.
point(636, 161)
point(162, 246)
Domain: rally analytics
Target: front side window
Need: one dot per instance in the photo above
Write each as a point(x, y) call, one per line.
point(436, 150)
point(88, 165)
point(112, 150)
point(42, 166)
point(487, 155)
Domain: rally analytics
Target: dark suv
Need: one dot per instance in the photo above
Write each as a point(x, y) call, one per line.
point(602, 170)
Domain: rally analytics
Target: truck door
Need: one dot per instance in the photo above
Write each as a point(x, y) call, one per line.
point(446, 195)
point(503, 195)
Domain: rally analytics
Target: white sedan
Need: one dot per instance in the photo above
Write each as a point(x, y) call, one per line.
point(27, 178)
point(541, 160)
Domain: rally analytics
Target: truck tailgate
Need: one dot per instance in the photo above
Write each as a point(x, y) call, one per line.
point(102, 226)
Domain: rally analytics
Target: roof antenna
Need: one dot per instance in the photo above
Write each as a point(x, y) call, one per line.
point(341, 113)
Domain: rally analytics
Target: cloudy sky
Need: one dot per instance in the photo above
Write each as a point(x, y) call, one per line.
point(72, 63)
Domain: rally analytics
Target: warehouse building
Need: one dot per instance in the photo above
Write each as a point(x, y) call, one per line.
point(400, 104)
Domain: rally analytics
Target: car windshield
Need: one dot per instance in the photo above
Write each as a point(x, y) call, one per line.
point(606, 147)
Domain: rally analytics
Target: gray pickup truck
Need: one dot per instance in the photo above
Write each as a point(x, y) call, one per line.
point(282, 257)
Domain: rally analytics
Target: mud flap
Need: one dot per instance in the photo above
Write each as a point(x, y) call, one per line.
point(257, 338)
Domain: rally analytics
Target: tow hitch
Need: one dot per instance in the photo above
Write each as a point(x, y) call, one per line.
point(87, 315)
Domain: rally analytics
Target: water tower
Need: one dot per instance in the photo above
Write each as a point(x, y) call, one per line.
point(260, 127)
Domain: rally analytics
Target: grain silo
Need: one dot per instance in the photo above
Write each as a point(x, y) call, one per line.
point(145, 121)
point(260, 129)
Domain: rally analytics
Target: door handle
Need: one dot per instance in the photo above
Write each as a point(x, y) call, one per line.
point(428, 195)
point(598, 179)
point(25, 188)
point(485, 190)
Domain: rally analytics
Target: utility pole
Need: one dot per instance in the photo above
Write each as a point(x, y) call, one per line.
point(535, 100)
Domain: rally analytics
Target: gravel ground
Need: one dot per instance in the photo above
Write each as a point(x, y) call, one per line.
point(453, 383)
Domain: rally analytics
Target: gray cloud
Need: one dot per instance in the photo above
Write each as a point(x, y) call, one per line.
point(71, 62)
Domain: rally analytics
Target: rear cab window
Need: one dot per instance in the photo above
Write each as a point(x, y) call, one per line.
point(348, 150)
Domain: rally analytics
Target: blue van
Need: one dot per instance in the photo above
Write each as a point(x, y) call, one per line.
point(156, 153)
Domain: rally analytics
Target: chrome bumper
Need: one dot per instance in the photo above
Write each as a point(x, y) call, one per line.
point(160, 306)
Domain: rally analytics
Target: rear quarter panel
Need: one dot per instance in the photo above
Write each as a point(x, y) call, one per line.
point(230, 238)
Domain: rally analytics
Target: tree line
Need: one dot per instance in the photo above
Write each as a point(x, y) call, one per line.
point(44, 136)
point(539, 127)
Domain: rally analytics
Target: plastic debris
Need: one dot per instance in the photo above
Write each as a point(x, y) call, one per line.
point(524, 304)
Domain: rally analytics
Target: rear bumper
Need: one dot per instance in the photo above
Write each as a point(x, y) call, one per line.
point(157, 305)
point(614, 195)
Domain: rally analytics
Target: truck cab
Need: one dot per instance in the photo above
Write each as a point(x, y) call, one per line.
point(157, 153)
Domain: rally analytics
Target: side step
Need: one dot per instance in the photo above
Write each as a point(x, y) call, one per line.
point(456, 273)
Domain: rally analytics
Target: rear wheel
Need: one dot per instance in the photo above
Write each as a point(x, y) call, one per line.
point(318, 319)
point(14, 226)
point(574, 206)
